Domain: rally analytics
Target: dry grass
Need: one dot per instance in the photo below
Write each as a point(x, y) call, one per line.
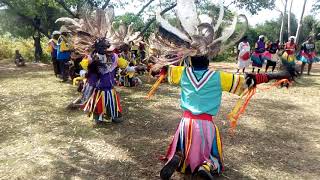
point(278, 137)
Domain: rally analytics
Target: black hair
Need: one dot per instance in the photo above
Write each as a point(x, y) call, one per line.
point(101, 45)
point(200, 61)
point(245, 38)
point(131, 64)
point(125, 47)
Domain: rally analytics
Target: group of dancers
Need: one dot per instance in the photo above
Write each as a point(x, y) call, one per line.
point(196, 147)
point(273, 54)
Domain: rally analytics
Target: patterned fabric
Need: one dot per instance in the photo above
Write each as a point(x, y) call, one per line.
point(244, 55)
point(198, 88)
point(259, 58)
point(203, 87)
point(288, 59)
point(198, 139)
point(103, 102)
point(232, 83)
point(307, 57)
point(63, 51)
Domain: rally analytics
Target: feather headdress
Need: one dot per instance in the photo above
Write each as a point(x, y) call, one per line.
point(95, 25)
point(195, 37)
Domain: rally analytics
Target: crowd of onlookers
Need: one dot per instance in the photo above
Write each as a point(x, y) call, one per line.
point(273, 54)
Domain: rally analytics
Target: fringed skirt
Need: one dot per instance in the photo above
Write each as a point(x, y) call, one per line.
point(259, 58)
point(198, 139)
point(87, 91)
point(102, 103)
point(288, 59)
point(307, 58)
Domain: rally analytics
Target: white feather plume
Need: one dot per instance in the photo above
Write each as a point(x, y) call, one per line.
point(166, 25)
point(187, 14)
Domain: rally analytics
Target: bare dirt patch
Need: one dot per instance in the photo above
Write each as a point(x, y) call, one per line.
point(277, 138)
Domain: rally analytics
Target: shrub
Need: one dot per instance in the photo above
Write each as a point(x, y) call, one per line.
point(9, 44)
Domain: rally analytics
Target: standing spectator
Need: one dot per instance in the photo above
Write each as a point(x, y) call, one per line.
point(243, 54)
point(52, 48)
point(63, 53)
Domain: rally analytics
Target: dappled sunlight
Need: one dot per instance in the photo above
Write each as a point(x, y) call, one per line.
point(276, 138)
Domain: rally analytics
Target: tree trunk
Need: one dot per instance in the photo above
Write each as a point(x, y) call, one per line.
point(146, 27)
point(144, 7)
point(289, 19)
point(282, 22)
point(105, 5)
point(37, 47)
point(300, 22)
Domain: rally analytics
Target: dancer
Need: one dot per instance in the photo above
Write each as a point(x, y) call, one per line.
point(196, 146)
point(243, 54)
point(99, 97)
point(273, 56)
point(259, 55)
point(52, 48)
point(308, 54)
point(289, 55)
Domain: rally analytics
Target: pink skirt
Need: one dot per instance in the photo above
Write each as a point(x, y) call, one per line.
point(199, 140)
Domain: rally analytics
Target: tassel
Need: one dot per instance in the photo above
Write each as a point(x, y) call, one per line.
point(240, 108)
point(242, 103)
point(156, 85)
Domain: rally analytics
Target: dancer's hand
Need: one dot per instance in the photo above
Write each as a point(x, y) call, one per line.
point(250, 80)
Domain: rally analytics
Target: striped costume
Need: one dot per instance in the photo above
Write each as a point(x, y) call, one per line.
point(100, 99)
point(197, 137)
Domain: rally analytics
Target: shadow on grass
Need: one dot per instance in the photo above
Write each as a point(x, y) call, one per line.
point(147, 131)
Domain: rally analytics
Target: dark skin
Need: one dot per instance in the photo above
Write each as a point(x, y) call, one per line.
point(273, 67)
point(310, 40)
point(261, 39)
point(245, 40)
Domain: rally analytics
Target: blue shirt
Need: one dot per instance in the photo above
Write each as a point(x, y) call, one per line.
point(201, 91)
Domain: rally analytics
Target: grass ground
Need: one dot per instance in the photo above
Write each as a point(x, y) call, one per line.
point(277, 138)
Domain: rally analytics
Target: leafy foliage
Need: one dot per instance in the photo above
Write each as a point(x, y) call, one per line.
point(9, 44)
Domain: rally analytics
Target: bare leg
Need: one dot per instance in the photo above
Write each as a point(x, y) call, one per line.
point(302, 67)
point(309, 68)
point(267, 67)
point(252, 70)
point(238, 70)
point(273, 67)
point(258, 71)
point(243, 70)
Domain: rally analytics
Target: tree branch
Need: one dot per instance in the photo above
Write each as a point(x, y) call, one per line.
point(63, 4)
point(26, 18)
point(105, 5)
point(144, 7)
point(146, 27)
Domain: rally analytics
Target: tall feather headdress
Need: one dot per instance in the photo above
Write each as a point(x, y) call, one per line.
point(195, 37)
point(98, 24)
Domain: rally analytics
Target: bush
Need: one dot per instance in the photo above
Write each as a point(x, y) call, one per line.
point(226, 56)
point(9, 44)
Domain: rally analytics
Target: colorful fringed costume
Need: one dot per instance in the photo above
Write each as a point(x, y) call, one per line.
point(196, 146)
point(308, 53)
point(95, 37)
point(99, 94)
point(289, 55)
point(260, 54)
point(197, 136)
